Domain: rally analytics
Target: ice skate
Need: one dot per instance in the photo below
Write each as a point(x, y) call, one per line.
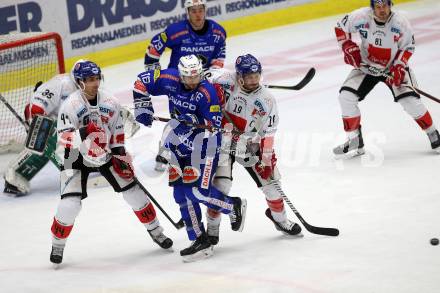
point(434, 138)
point(287, 227)
point(200, 248)
point(238, 214)
point(353, 147)
point(160, 238)
point(56, 255)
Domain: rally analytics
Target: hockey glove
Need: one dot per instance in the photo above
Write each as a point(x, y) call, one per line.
point(397, 75)
point(264, 168)
point(352, 53)
point(143, 111)
point(186, 122)
point(122, 164)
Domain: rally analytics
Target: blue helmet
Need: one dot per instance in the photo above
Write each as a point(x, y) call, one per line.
point(246, 64)
point(372, 2)
point(83, 69)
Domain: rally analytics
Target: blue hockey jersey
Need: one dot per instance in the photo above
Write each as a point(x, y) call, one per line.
point(183, 40)
point(202, 102)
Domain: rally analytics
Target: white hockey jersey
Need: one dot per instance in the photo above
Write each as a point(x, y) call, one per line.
point(381, 45)
point(76, 112)
point(52, 93)
point(254, 112)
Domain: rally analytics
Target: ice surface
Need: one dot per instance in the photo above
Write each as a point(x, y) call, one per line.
point(386, 204)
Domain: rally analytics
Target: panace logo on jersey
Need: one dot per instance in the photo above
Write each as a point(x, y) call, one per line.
point(183, 104)
point(203, 49)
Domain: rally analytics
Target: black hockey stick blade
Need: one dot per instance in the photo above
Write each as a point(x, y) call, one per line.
point(317, 230)
point(312, 229)
point(322, 230)
point(309, 76)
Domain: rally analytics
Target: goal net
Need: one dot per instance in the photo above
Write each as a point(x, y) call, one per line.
point(25, 59)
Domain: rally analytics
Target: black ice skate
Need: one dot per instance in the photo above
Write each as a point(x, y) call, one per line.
point(213, 233)
point(200, 248)
point(161, 164)
point(56, 255)
point(351, 148)
point(287, 227)
point(13, 190)
point(160, 238)
point(434, 138)
point(238, 214)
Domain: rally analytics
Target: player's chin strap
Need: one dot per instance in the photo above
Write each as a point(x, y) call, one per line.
point(380, 72)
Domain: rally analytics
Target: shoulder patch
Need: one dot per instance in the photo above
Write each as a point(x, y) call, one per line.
point(163, 37)
point(214, 108)
point(156, 74)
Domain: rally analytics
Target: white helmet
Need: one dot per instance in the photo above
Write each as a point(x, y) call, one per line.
point(191, 3)
point(190, 65)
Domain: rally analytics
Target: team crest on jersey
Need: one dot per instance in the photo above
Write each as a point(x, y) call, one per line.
point(164, 37)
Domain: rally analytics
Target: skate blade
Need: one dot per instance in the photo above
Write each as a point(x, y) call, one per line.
point(299, 235)
point(351, 154)
point(243, 214)
point(202, 254)
point(437, 150)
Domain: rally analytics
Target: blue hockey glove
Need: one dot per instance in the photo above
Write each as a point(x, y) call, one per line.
point(143, 111)
point(186, 122)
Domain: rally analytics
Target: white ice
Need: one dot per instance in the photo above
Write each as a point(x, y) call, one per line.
point(386, 203)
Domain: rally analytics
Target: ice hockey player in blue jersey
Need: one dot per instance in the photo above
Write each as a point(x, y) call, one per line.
point(194, 151)
point(196, 35)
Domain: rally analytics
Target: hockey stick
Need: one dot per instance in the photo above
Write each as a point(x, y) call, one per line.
point(310, 228)
point(309, 76)
point(378, 71)
point(180, 224)
point(26, 126)
point(201, 126)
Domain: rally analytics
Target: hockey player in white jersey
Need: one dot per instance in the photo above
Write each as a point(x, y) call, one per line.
point(249, 108)
point(387, 43)
point(46, 101)
point(91, 138)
